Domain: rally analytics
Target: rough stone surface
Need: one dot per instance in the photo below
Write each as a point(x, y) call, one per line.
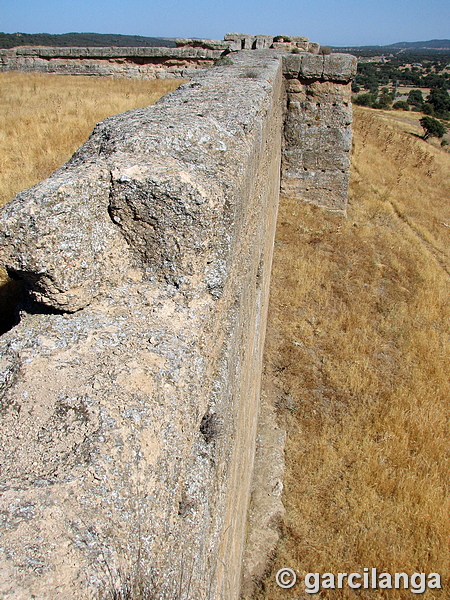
point(140, 62)
point(129, 427)
point(60, 243)
point(266, 508)
point(111, 52)
point(317, 128)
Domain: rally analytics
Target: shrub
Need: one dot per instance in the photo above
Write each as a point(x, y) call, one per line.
point(223, 61)
point(282, 38)
point(366, 99)
point(400, 105)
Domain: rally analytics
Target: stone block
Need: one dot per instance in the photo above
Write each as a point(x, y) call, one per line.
point(330, 91)
point(325, 188)
point(291, 65)
point(61, 242)
point(311, 67)
point(339, 67)
point(263, 41)
point(313, 47)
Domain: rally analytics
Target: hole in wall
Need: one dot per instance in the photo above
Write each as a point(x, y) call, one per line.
point(14, 298)
point(209, 427)
point(11, 296)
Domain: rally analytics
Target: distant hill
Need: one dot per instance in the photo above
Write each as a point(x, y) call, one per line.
point(10, 40)
point(430, 46)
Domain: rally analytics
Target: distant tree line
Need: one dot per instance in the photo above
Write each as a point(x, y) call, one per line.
point(372, 75)
point(97, 40)
point(436, 104)
point(411, 51)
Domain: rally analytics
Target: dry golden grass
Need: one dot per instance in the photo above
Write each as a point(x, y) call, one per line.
point(408, 121)
point(357, 350)
point(45, 118)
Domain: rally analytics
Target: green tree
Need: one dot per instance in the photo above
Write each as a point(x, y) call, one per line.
point(432, 127)
point(365, 99)
point(384, 101)
point(428, 109)
point(415, 98)
point(440, 101)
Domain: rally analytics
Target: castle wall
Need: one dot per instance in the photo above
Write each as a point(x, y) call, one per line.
point(130, 388)
point(129, 414)
point(131, 63)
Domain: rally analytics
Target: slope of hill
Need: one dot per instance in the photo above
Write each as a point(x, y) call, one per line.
point(356, 355)
point(11, 40)
point(435, 44)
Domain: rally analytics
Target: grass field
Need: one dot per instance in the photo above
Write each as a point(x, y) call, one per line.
point(45, 118)
point(357, 354)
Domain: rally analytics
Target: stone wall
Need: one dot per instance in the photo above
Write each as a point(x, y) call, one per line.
point(133, 63)
point(129, 389)
point(317, 129)
point(140, 62)
point(130, 404)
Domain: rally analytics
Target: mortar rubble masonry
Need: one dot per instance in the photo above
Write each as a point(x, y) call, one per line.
point(190, 55)
point(130, 388)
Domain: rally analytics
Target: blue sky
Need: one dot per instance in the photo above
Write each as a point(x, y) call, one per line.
point(334, 22)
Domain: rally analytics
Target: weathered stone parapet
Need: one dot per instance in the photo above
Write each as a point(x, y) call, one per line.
point(340, 68)
point(244, 41)
point(190, 55)
point(136, 63)
point(129, 426)
point(112, 52)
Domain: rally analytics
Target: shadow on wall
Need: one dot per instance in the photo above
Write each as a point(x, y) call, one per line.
point(11, 294)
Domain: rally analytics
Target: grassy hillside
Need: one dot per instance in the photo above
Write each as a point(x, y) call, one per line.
point(357, 355)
